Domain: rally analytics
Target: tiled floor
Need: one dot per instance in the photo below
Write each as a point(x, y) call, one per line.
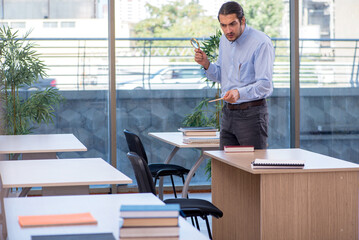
point(207, 196)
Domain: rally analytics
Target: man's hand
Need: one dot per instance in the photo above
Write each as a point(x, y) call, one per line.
point(231, 96)
point(201, 58)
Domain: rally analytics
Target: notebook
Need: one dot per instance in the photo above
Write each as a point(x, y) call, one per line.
point(277, 163)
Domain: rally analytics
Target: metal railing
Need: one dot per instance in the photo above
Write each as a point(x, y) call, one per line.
point(81, 63)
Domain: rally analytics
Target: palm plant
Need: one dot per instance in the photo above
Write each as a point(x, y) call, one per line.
point(20, 66)
point(202, 114)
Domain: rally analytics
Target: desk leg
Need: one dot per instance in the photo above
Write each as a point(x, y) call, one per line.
point(34, 156)
point(66, 190)
point(168, 160)
point(24, 192)
point(191, 173)
point(4, 192)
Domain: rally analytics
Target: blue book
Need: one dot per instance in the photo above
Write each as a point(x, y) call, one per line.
point(168, 210)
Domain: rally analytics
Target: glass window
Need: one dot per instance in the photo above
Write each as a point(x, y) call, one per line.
point(159, 83)
point(329, 78)
point(74, 55)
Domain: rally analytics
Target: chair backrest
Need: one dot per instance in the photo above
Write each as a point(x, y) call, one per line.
point(134, 144)
point(142, 172)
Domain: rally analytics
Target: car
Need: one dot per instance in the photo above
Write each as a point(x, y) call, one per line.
point(184, 77)
point(41, 84)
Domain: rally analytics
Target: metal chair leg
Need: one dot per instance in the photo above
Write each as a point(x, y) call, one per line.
point(173, 186)
point(155, 184)
point(193, 224)
point(208, 227)
point(195, 218)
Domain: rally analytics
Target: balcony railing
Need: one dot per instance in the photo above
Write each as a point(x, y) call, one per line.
point(82, 64)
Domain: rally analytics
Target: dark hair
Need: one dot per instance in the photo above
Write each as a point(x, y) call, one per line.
point(231, 8)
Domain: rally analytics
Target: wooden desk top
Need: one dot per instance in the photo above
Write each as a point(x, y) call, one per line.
point(176, 139)
point(314, 162)
point(40, 143)
point(59, 172)
point(104, 208)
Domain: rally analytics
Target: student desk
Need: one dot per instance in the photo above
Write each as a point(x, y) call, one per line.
point(104, 208)
point(317, 202)
point(61, 176)
point(40, 146)
point(176, 139)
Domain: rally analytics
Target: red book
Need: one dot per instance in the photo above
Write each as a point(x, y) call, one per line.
point(234, 149)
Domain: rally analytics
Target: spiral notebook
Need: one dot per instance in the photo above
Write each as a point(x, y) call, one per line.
point(277, 163)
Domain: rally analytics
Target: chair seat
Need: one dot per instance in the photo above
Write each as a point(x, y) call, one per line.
point(162, 169)
point(196, 207)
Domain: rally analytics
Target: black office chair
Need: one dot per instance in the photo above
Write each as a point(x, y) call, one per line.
point(190, 207)
point(157, 169)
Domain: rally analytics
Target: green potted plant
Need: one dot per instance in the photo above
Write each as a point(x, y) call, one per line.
point(20, 67)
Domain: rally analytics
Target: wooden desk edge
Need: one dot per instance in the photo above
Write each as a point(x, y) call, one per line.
point(281, 171)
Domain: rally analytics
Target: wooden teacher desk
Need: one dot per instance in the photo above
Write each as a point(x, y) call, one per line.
point(104, 208)
point(61, 176)
point(40, 146)
point(176, 139)
point(317, 202)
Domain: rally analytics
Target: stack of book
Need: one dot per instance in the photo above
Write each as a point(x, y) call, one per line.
point(147, 222)
point(198, 131)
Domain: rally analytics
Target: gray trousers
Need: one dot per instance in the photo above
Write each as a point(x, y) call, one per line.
point(244, 127)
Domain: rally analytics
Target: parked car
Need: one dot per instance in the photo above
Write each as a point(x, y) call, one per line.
point(170, 78)
point(41, 84)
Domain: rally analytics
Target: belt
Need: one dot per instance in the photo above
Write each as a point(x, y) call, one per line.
point(246, 105)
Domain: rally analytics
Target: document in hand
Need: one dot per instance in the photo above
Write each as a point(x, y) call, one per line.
point(277, 163)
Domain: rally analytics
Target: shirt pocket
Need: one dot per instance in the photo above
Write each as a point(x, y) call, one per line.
point(246, 72)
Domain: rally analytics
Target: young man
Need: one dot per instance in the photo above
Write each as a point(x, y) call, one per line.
point(244, 70)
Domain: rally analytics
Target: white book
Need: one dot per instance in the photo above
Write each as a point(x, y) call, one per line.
point(200, 133)
point(277, 163)
point(235, 149)
point(190, 140)
point(149, 232)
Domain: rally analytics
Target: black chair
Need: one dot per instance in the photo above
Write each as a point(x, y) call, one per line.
point(190, 207)
point(157, 169)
